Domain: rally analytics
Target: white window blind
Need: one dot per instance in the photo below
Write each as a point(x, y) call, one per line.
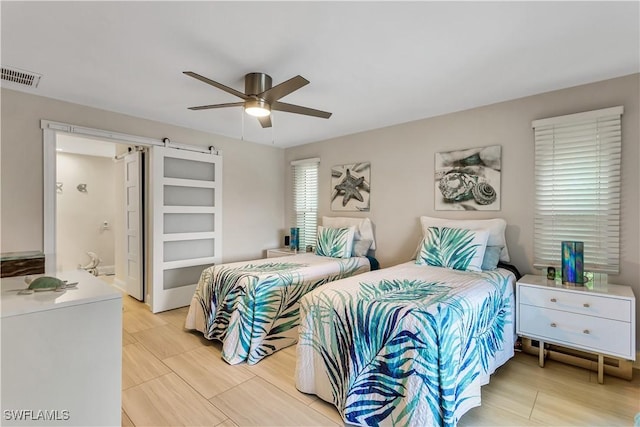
point(305, 199)
point(577, 177)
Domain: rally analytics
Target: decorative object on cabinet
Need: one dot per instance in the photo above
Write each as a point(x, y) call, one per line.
point(294, 241)
point(46, 283)
point(595, 321)
point(468, 179)
point(351, 187)
point(551, 273)
point(21, 263)
point(573, 263)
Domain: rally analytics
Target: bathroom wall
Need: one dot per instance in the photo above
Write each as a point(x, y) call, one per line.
point(81, 215)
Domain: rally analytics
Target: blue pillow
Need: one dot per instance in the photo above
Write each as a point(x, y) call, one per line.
point(456, 248)
point(335, 242)
point(491, 258)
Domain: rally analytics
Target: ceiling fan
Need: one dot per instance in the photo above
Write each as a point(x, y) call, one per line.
point(260, 98)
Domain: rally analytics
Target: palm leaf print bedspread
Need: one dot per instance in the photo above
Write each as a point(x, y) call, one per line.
point(253, 307)
point(407, 345)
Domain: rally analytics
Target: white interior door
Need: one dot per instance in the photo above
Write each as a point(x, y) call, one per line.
point(134, 239)
point(186, 203)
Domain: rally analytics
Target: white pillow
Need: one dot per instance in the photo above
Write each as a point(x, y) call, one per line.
point(364, 228)
point(455, 248)
point(496, 227)
point(361, 247)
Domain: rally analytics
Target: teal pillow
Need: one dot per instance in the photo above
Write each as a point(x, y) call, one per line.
point(456, 248)
point(491, 258)
point(335, 242)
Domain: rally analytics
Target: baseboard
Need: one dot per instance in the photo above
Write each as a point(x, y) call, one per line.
point(636, 364)
point(119, 284)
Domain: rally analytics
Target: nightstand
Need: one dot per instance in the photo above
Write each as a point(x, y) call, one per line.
point(278, 252)
point(598, 320)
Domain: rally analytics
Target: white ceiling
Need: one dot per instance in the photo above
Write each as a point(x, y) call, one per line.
point(372, 64)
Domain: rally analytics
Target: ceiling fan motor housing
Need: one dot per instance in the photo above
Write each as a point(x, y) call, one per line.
point(256, 83)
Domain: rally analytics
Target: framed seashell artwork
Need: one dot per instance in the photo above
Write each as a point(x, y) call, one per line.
point(468, 179)
point(351, 187)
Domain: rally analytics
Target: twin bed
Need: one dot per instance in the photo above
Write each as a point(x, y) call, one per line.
point(252, 307)
point(405, 345)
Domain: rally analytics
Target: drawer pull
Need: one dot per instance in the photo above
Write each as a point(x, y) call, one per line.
point(586, 331)
point(553, 325)
point(586, 305)
point(553, 300)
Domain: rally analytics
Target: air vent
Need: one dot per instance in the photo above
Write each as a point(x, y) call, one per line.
point(19, 76)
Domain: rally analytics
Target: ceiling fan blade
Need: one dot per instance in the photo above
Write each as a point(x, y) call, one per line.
point(283, 89)
point(216, 84)
point(209, 107)
point(297, 109)
point(265, 121)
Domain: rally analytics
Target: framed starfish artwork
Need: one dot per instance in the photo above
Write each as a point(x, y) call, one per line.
point(351, 187)
point(468, 179)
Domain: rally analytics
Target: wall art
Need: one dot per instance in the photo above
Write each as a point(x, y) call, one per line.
point(468, 179)
point(351, 187)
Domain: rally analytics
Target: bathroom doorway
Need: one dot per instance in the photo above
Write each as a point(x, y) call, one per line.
point(178, 203)
point(92, 200)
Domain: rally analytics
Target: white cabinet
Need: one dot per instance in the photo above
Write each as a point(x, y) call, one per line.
point(278, 252)
point(62, 354)
point(598, 320)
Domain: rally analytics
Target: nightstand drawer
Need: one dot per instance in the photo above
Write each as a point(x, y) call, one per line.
point(577, 302)
point(591, 333)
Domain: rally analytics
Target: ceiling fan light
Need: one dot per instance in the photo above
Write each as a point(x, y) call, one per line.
point(257, 108)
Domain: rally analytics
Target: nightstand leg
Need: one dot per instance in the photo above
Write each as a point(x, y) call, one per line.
point(541, 354)
point(600, 369)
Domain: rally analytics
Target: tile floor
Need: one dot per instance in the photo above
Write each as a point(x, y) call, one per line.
point(174, 377)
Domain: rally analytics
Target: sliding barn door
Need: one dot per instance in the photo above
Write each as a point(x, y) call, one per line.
point(134, 238)
point(186, 200)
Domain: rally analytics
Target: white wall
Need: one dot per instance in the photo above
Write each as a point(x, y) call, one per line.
point(253, 196)
point(81, 215)
point(402, 169)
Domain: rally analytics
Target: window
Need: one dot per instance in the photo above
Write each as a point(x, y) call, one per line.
point(577, 176)
point(305, 199)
